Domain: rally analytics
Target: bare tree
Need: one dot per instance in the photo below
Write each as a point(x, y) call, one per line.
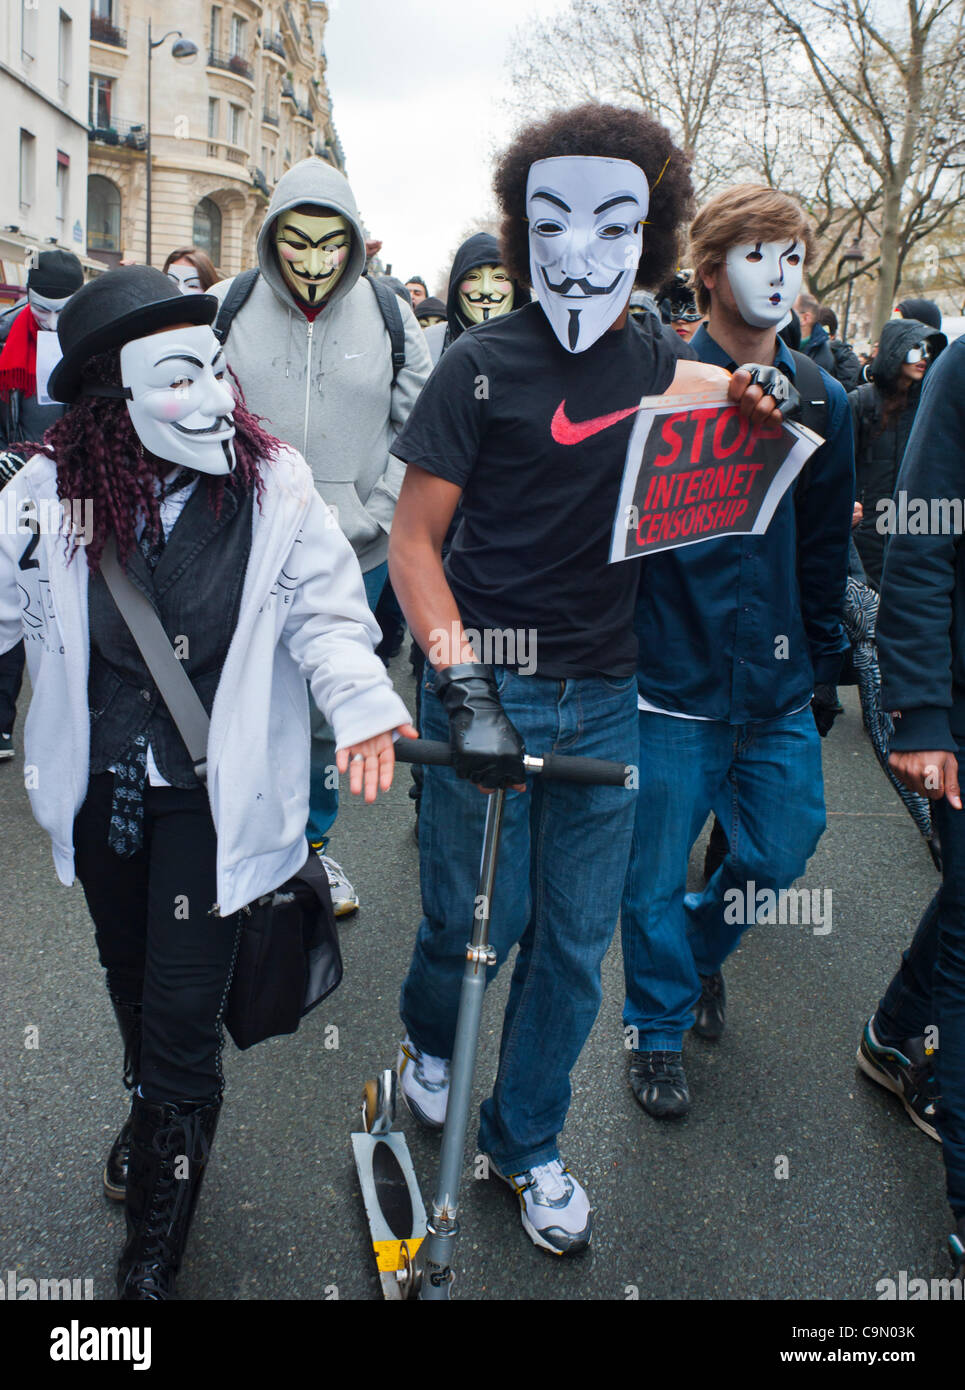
point(684, 61)
point(889, 78)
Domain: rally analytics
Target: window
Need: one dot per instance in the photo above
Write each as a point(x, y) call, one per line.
point(63, 179)
point(101, 90)
point(215, 26)
point(207, 228)
point(237, 36)
point(27, 168)
point(28, 28)
point(103, 214)
point(103, 9)
point(214, 118)
point(64, 56)
point(236, 124)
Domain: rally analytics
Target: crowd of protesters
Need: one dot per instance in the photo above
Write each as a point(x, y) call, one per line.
point(296, 463)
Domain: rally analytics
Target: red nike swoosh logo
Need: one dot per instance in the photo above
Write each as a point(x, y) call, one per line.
point(566, 431)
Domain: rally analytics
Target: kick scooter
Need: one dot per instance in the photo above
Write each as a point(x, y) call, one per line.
point(415, 1253)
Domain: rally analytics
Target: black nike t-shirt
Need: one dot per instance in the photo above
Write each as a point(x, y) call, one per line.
point(536, 437)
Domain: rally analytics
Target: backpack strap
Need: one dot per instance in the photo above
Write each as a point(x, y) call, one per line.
point(814, 396)
point(388, 302)
point(241, 287)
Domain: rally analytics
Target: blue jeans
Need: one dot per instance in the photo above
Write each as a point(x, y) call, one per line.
point(323, 781)
point(562, 859)
point(764, 781)
point(929, 991)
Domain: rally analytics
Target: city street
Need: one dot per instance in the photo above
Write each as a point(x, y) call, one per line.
point(688, 1210)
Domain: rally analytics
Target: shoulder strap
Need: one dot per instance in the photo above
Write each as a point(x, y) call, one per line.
point(388, 302)
point(814, 396)
point(241, 287)
point(170, 677)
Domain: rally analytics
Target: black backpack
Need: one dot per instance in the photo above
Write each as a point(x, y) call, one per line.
point(388, 302)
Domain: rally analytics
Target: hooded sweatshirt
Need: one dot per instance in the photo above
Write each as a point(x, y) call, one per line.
point(878, 452)
point(480, 249)
point(325, 386)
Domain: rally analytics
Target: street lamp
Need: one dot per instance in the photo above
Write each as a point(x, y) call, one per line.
point(853, 254)
point(183, 49)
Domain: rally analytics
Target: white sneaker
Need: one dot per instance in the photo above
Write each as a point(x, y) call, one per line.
point(554, 1207)
point(344, 897)
point(425, 1083)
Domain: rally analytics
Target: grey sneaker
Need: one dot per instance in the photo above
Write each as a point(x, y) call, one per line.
point(425, 1083)
point(344, 897)
point(554, 1207)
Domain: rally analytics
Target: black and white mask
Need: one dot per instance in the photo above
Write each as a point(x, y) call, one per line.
point(586, 218)
point(180, 403)
point(46, 311)
point(765, 278)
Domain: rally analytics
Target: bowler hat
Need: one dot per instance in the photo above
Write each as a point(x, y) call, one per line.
point(112, 310)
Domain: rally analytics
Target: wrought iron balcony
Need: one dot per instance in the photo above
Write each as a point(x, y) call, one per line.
point(103, 31)
point(131, 135)
point(231, 62)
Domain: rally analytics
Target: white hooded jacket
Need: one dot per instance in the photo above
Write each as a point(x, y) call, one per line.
point(303, 617)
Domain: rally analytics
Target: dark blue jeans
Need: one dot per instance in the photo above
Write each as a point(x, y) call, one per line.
point(928, 991)
point(562, 859)
point(11, 679)
point(764, 782)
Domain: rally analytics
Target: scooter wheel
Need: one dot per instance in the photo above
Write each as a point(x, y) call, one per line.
point(370, 1105)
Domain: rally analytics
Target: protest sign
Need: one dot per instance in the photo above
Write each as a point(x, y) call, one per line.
point(696, 470)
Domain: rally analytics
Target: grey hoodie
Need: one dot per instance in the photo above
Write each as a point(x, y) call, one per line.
point(326, 387)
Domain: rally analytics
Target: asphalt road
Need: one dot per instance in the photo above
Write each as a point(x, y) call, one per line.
point(692, 1210)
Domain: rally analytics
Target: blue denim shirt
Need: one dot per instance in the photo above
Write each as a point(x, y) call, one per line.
point(741, 629)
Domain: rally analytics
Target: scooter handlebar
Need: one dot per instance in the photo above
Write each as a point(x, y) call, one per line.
point(552, 765)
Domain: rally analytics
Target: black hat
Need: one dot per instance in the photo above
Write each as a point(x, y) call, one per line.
point(924, 310)
point(56, 275)
point(112, 310)
point(430, 307)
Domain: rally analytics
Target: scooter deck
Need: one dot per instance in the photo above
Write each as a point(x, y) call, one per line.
point(393, 1205)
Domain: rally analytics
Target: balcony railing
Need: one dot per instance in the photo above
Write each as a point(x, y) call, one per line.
point(131, 135)
point(223, 149)
point(288, 92)
point(260, 182)
point(270, 117)
point(274, 43)
point(231, 62)
point(103, 31)
point(305, 112)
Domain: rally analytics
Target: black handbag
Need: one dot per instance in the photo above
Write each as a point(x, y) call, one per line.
point(288, 957)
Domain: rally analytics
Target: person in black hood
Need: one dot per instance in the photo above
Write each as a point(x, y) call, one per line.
point(480, 289)
point(924, 310)
point(883, 411)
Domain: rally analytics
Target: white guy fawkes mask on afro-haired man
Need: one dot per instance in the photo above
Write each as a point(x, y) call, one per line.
point(586, 217)
point(180, 404)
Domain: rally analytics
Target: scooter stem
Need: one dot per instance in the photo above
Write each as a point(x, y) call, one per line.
point(443, 1225)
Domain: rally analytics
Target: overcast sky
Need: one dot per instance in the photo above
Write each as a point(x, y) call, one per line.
point(416, 87)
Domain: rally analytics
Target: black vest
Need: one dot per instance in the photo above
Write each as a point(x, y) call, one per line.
point(196, 589)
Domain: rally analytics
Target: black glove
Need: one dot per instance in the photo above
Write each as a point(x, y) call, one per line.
point(825, 707)
point(773, 382)
point(486, 747)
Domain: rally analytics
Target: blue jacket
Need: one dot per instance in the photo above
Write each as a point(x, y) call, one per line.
point(741, 629)
point(921, 620)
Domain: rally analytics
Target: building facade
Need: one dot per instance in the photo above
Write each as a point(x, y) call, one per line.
point(225, 124)
point(43, 117)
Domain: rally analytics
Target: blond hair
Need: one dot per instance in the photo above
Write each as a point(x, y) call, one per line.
point(747, 212)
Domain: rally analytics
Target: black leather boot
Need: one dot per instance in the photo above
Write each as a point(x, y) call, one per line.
point(115, 1169)
point(169, 1151)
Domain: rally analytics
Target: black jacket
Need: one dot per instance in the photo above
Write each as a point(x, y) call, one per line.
point(878, 451)
point(481, 249)
point(819, 349)
point(847, 367)
point(921, 621)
